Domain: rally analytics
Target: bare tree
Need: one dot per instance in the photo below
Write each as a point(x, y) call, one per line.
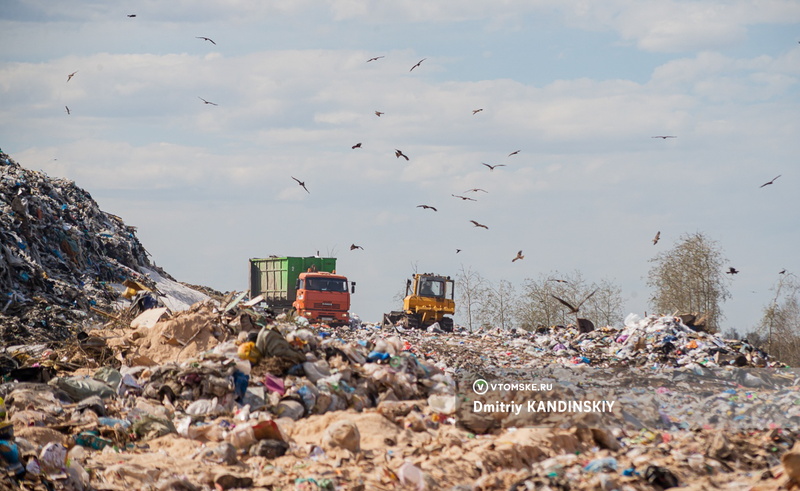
point(780, 325)
point(538, 307)
point(605, 306)
point(497, 308)
point(689, 278)
point(471, 288)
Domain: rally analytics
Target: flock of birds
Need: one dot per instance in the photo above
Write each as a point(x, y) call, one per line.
point(399, 154)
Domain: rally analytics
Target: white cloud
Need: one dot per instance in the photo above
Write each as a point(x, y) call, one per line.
point(676, 26)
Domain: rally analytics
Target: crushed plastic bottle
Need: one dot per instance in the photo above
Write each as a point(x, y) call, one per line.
point(604, 464)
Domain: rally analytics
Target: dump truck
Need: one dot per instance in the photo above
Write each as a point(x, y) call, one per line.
point(429, 298)
point(308, 286)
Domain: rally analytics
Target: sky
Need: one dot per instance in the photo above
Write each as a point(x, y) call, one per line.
point(579, 88)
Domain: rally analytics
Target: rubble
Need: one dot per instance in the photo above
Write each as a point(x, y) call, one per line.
point(117, 377)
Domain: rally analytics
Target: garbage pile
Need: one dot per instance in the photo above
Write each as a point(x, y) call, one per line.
point(228, 396)
point(62, 260)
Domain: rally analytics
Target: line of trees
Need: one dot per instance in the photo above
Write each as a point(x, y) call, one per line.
point(689, 278)
point(483, 303)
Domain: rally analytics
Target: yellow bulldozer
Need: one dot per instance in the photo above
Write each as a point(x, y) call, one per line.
point(429, 298)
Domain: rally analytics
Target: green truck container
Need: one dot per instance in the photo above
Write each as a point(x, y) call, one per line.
point(276, 277)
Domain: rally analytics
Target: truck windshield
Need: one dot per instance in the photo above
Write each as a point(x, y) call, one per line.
point(432, 288)
point(326, 284)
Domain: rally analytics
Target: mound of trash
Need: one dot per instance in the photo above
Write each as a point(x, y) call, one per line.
point(63, 261)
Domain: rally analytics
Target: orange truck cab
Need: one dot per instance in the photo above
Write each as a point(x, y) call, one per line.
point(309, 285)
point(323, 297)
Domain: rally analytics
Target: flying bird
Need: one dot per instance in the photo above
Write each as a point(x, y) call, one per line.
point(458, 250)
point(557, 280)
point(475, 190)
point(783, 271)
point(206, 39)
point(476, 111)
point(131, 15)
point(354, 247)
point(67, 108)
point(664, 137)
point(69, 77)
point(491, 167)
point(207, 102)
point(465, 198)
point(519, 256)
point(357, 145)
point(770, 182)
point(302, 184)
point(479, 224)
point(398, 154)
point(375, 58)
point(732, 270)
point(378, 113)
point(657, 237)
point(426, 207)
point(418, 64)
point(574, 309)
point(514, 152)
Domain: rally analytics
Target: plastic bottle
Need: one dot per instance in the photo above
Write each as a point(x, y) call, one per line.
point(597, 465)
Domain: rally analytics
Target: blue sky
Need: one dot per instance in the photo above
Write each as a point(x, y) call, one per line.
point(578, 87)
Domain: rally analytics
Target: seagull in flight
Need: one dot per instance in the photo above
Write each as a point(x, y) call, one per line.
point(783, 271)
point(479, 224)
point(354, 247)
point(557, 280)
point(375, 58)
point(491, 167)
point(732, 270)
point(770, 182)
point(67, 108)
point(399, 153)
point(475, 190)
point(357, 145)
point(519, 256)
point(131, 15)
point(664, 137)
point(418, 64)
point(476, 111)
point(207, 102)
point(465, 198)
point(458, 250)
point(426, 207)
point(302, 184)
point(378, 113)
point(574, 309)
point(69, 77)
point(514, 152)
point(206, 39)
point(657, 237)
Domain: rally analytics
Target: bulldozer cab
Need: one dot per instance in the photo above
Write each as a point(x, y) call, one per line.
point(429, 286)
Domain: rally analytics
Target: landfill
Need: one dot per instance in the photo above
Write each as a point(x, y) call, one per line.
point(116, 376)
